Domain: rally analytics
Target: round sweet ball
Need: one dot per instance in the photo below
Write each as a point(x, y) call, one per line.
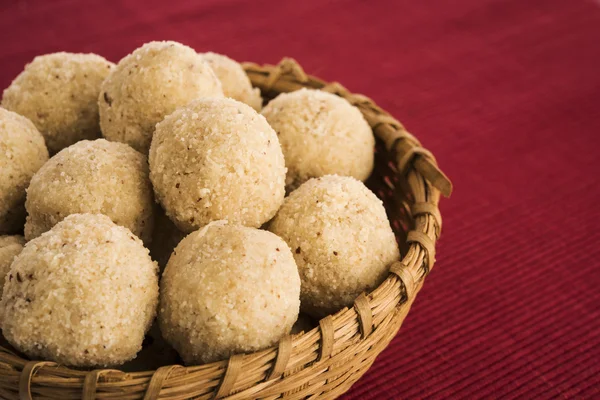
point(165, 237)
point(22, 153)
point(92, 177)
point(228, 289)
point(149, 84)
point(341, 239)
point(236, 83)
point(10, 246)
point(217, 159)
point(58, 93)
point(320, 134)
point(83, 294)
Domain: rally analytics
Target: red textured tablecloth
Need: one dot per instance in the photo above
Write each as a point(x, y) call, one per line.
point(506, 93)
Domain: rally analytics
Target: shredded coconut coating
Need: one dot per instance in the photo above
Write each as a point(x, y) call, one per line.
point(320, 134)
point(236, 83)
point(22, 153)
point(83, 294)
point(92, 177)
point(58, 92)
point(217, 159)
point(341, 239)
point(149, 84)
point(228, 289)
point(165, 237)
point(10, 246)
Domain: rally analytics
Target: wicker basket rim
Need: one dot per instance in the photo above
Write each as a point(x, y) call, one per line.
point(319, 362)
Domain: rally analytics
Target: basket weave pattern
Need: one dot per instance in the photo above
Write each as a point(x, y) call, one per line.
point(321, 363)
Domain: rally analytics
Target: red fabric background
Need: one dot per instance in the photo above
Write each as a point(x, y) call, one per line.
point(505, 93)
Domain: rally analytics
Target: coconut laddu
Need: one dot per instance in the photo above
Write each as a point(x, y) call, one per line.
point(82, 294)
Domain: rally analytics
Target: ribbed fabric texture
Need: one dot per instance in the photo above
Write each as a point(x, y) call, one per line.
point(506, 93)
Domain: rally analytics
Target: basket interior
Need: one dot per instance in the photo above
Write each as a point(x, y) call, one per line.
point(384, 180)
point(323, 361)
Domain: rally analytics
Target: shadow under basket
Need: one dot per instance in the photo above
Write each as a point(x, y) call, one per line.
point(323, 362)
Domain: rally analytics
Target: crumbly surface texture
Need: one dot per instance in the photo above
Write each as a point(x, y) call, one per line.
point(82, 294)
point(149, 84)
point(217, 159)
point(156, 352)
point(341, 239)
point(92, 177)
point(58, 93)
point(10, 246)
point(236, 83)
point(320, 134)
point(228, 289)
point(22, 153)
point(165, 237)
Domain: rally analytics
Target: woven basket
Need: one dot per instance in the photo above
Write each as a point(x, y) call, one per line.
point(324, 362)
